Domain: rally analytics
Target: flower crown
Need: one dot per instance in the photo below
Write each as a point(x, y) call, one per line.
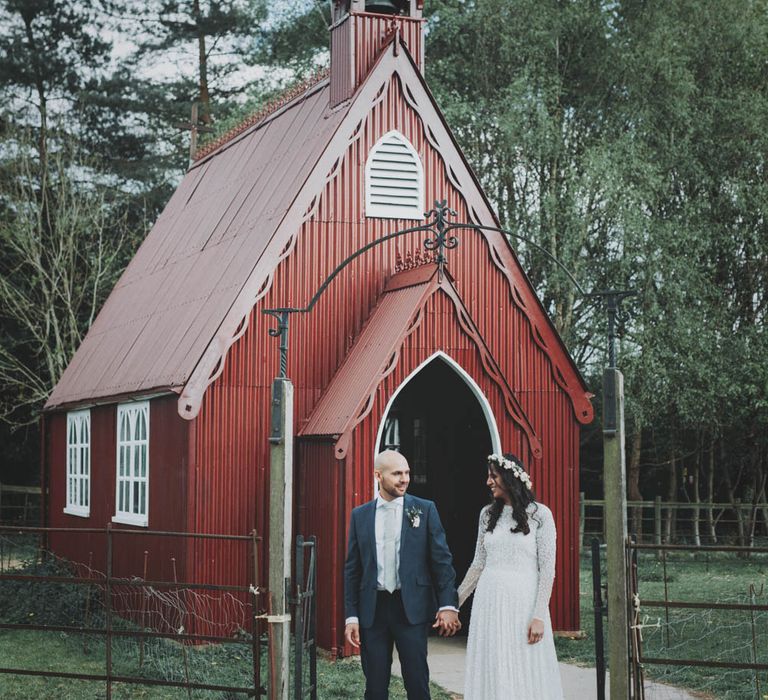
point(516, 467)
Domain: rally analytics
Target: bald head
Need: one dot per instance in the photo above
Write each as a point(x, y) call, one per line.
point(389, 460)
point(393, 474)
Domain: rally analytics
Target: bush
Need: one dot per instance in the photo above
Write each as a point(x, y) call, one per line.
point(47, 602)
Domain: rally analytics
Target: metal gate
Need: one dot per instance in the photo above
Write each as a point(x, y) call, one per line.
point(305, 620)
point(745, 655)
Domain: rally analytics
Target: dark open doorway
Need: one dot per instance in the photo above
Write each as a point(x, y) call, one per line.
point(438, 424)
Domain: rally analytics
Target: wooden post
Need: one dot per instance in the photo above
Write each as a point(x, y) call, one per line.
point(657, 524)
point(280, 520)
point(194, 127)
point(739, 522)
point(615, 519)
point(582, 517)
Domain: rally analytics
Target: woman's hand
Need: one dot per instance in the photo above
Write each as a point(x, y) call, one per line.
point(535, 631)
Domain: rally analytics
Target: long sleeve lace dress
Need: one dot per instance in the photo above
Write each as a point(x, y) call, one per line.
point(512, 576)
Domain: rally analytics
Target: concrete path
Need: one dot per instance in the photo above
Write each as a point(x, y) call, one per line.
point(446, 666)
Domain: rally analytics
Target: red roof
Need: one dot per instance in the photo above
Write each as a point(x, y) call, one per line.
point(170, 301)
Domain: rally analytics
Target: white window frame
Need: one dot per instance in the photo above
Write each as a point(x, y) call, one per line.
point(78, 492)
point(379, 211)
point(132, 455)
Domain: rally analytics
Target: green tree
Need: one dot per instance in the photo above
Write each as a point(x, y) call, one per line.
point(626, 139)
point(47, 58)
point(537, 128)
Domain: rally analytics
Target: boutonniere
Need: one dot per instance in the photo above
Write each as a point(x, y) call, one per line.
point(414, 516)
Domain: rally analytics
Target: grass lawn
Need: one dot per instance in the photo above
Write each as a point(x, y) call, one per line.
point(709, 635)
point(228, 665)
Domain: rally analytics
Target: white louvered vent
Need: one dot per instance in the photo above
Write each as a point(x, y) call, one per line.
point(394, 179)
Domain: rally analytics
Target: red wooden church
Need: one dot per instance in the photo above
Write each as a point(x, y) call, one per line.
point(162, 418)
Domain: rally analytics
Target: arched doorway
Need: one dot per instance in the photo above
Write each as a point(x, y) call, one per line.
point(441, 422)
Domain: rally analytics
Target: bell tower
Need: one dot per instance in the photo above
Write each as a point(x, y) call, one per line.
point(361, 29)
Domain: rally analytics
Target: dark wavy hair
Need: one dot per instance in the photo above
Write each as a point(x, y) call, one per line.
point(520, 496)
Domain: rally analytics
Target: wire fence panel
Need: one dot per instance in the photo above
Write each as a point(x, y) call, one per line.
point(184, 639)
point(700, 618)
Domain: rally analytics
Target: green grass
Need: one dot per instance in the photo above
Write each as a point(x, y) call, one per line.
point(691, 634)
point(224, 665)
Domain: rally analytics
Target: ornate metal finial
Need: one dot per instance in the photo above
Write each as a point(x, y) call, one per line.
point(441, 241)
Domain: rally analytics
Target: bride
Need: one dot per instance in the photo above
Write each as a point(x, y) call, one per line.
point(511, 650)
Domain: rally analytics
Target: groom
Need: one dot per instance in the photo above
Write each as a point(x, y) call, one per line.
point(397, 574)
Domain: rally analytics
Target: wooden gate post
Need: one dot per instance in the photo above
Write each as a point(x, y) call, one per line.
point(280, 520)
point(615, 519)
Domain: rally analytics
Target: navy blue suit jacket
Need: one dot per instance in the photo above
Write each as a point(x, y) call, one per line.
point(427, 578)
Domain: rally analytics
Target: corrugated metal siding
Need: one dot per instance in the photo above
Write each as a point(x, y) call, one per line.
point(232, 429)
point(320, 493)
point(342, 61)
point(168, 435)
point(370, 34)
point(347, 394)
point(356, 43)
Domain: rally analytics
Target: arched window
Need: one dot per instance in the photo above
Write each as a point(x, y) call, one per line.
point(394, 179)
point(132, 482)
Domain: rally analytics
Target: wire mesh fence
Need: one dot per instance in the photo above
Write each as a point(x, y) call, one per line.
point(699, 619)
point(124, 634)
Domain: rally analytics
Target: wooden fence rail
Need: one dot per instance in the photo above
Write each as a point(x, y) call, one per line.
point(20, 505)
point(660, 521)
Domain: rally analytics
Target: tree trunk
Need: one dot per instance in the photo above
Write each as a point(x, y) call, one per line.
point(697, 500)
point(669, 529)
point(28, 15)
point(764, 509)
point(633, 483)
point(202, 59)
point(730, 487)
point(761, 482)
point(710, 515)
point(758, 488)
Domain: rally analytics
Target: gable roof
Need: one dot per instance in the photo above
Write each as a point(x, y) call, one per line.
point(188, 294)
point(190, 269)
point(349, 397)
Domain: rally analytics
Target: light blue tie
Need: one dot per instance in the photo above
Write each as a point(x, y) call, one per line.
point(390, 554)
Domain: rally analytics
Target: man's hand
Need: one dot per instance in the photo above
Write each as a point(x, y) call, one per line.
point(352, 634)
point(535, 631)
point(447, 622)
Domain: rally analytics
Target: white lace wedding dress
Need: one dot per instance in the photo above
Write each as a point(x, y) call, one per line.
point(512, 576)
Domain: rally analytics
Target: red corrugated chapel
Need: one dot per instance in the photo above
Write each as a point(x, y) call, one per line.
point(162, 418)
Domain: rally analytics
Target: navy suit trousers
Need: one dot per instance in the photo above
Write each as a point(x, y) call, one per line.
point(391, 626)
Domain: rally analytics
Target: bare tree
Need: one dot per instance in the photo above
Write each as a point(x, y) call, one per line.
point(60, 252)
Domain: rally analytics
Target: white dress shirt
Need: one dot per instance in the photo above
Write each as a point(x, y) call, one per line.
point(381, 506)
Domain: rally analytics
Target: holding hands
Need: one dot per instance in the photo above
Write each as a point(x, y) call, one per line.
point(447, 623)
